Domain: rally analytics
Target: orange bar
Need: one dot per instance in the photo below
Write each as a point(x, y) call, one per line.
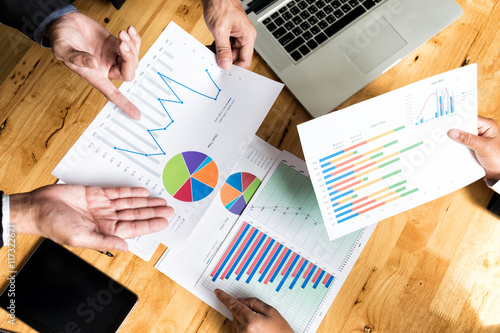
point(342, 182)
point(350, 185)
point(359, 200)
point(342, 170)
point(367, 172)
point(365, 204)
point(342, 157)
point(378, 192)
point(352, 159)
point(356, 145)
point(363, 161)
point(373, 207)
point(392, 199)
point(379, 136)
point(367, 184)
point(364, 166)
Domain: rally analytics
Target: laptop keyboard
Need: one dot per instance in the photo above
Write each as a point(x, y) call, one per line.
point(303, 25)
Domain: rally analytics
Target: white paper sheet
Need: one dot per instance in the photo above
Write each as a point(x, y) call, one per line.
point(196, 121)
point(283, 217)
point(389, 154)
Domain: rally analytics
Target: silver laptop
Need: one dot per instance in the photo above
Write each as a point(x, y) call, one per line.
point(326, 50)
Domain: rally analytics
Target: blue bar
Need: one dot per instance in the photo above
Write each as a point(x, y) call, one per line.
point(421, 120)
point(299, 273)
point(260, 261)
point(345, 206)
point(280, 265)
point(329, 169)
point(451, 103)
point(333, 192)
point(324, 165)
point(270, 263)
point(329, 281)
point(343, 213)
point(327, 176)
point(339, 177)
point(231, 252)
point(436, 114)
point(313, 269)
point(348, 218)
point(332, 155)
point(242, 253)
point(251, 257)
point(343, 195)
point(319, 279)
point(334, 204)
point(441, 104)
point(288, 272)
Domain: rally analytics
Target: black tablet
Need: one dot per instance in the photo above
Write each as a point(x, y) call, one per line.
point(57, 291)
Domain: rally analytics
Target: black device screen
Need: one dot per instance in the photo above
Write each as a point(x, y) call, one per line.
point(57, 291)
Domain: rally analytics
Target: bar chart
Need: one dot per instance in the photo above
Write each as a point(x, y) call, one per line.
point(287, 207)
point(356, 178)
point(255, 265)
point(391, 153)
point(438, 104)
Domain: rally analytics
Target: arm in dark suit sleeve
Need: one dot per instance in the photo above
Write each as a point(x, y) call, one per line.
point(33, 17)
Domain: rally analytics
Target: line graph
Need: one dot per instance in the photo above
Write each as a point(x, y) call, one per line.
point(178, 100)
point(444, 105)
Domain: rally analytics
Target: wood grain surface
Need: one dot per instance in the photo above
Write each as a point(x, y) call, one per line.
point(435, 268)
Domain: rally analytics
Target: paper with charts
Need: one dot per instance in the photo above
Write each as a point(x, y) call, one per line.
point(391, 153)
point(196, 121)
point(276, 251)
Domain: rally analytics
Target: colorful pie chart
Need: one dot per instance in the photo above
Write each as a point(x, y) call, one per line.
point(238, 190)
point(190, 176)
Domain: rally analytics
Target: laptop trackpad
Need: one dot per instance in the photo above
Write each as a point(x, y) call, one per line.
point(373, 44)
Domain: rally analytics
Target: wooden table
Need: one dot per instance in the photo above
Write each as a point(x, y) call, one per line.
point(435, 268)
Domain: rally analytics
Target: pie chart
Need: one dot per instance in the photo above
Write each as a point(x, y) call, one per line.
point(237, 191)
point(190, 176)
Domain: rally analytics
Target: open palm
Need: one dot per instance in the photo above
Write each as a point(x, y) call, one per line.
point(91, 217)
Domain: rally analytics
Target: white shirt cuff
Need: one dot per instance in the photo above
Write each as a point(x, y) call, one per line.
point(5, 219)
point(495, 186)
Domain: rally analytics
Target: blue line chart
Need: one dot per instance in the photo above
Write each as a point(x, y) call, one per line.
point(178, 100)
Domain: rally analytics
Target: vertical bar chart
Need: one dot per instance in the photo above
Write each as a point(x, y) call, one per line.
point(438, 104)
point(255, 265)
point(249, 256)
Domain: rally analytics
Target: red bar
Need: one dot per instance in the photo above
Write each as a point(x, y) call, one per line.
point(325, 280)
point(362, 205)
point(270, 275)
point(350, 185)
point(365, 166)
point(348, 161)
point(359, 200)
point(228, 249)
point(368, 209)
point(288, 263)
point(269, 258)
point(308, 270)
point(298, 267)
point(257, 258)
point(342, 170)
point(343, 182)
point(242, 245)
point(317, 274)
point(255, 242)
point(352, 147)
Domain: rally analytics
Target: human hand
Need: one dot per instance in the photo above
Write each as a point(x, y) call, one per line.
point(233, 32)
point(486, 145)
point(88, 216)
point(89, 50)
point(253, 315)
